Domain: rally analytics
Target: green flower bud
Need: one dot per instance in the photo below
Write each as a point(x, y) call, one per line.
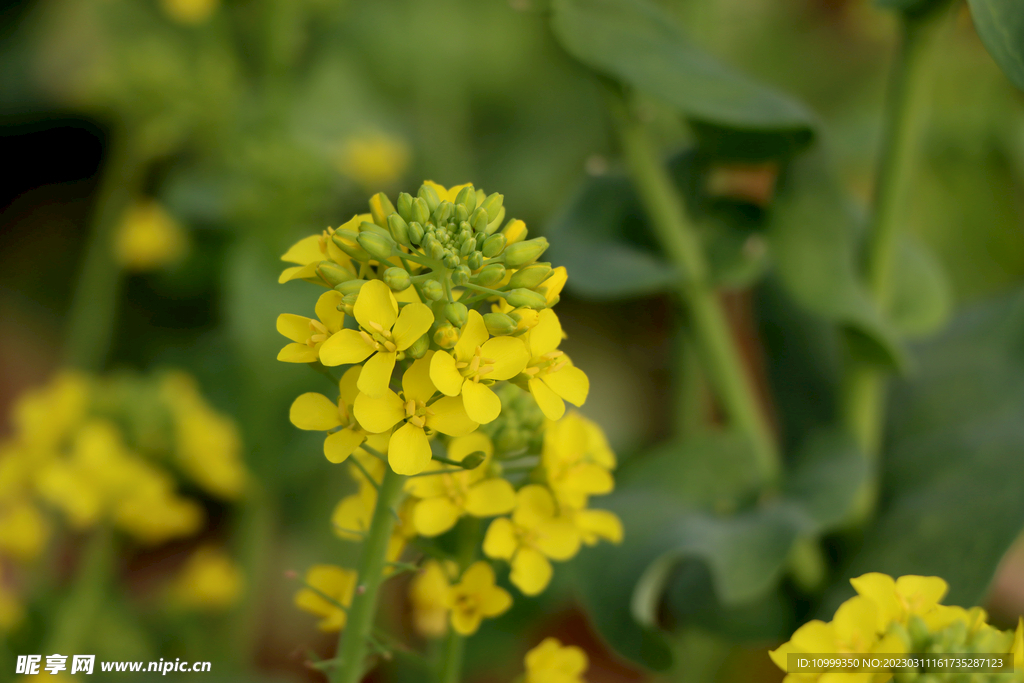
point(350, 287)
point(451, 260)
point(494, 245)
point(468, 247)
point(526, 298)
point(419, 347)
point(473, 460)
point(491, 274)
point(351, 248)
point(431, 290)
point(405, 206)
point(499, 324)
point(415, 233)
point(446, 336)
point(347, 303)
point(436, 250)
point(376, 245)
point(442, 213)
point(492, 205)
point(420, 211)
point(397, 279)
point(478, 220)
point(399, 229)
point(427, 194)
point(530, 276)
point(456, 313)
point(380, 208)
point(333, 274)
point(373, 227)
point(467, 198)
point(521, 253)
point(475, 261)
point(461, 213)
point(461, 274)
point(495, 223)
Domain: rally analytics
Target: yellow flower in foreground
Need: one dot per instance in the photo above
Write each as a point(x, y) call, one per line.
point(23, 530)
point(373, 160)
point(550, 376)
point(210, 580)
point(148, 237)
point(577, 460)
point(308, 334)
point(552, 287)
point(475, 363)
point(44, 416)
point(315, 412)
point(595, 525)
point(384, 333)
point(446, 194)
point(409, 450)
point(552, 662)
point(328, 589)
point(476, 597)
point(310, 251)
point(446, 497)
point(534, 534)
point(899, 599)
point(189, 11)
point(428, 593)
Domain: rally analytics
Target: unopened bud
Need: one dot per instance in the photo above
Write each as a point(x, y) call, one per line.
point(468, 247)
point(499, 324)
point(397, 279)
point(525, 319)
point(494, 223)
point(456, 313)
point(478, 220)
point(352, 249)
point(467, 198)
point(461, 274)
point(420, 211)
point(380, 208)
point(432, 290)
point(376, 245)
point(492, 205)
point(515, 231)
point(526, 298)
point(350, 287)
point(373, 227)
point(427, 194)
point(333, 274)
point(446, 336)
point(347, 303)
point(404, 206)
point(442, 213)
point(530, 276)
point(461, 213)
point(521, 253)
point(490, 274)
point(419, 347)
point(475, 260)
point(415, 233)
point(494, 245)
point(450, 260)
point(399, 229)
point(473, 460)
point(436, 250)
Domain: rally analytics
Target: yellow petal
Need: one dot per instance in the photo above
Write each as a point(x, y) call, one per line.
point(478, 579)
point(327, 310)
point(531, 571)
point(569, 383)
point(815, 636)
point(856, 620)
point(347, 346)
point(496, 601)
point(416, 382)
point(464, 445)
point(465, 623)
point(880, 589)
point(534, 506)
point(552, 287)
point(348, 387)
point(441, 190)
point(445, 375)
point(780, 655)
point(306, 250)
point(295, 327)
point(549, 402)
point(434, 516)
point(474, 334)
point(375, 304)
point(413, 322)
point(500, 541)
point(482, 404)
point(315, 412)
point(377, 415)
point(409, 451)
point(429, 487)
point(306, 272)
point(376, 375)
point(339, 445)
point(1018, 645)
point(560, 540)
point(450, 417)
point(490, 497)
point(546, 335)
point(599, 524)
point(510, 356)
point(921, 592)
point(297, 353)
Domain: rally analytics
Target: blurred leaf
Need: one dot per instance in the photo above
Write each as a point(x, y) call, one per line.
point(952, 476)
point(910, 6)
point(922, 299)
point(637, 43)
point(810, 230)
point(1000, 23)
point(824, 479)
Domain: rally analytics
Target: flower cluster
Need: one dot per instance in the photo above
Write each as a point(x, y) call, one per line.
point(895, 616)
point(106, 451)
point(454, 378)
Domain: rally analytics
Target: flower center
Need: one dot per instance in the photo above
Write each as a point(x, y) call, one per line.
point(417, 412)
point(476, 367)
point(318, 333)
point(547, 364)
point(379, 338)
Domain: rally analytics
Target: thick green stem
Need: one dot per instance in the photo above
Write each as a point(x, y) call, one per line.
point(372, 562)
point(451, 658)
point(681, 244)
point(79, 610)
point(95, 297)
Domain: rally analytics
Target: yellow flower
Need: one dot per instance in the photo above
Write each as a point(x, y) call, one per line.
point(577, 460)
point(552, 662)
point(550, 376)
point(210, 580)
point(44, 417)
point(310, 251)
point(384, 333)
point(446, 194)
point(189, 11)
point(446, 497)
point(373, 160)
point(308, 334)
point(352, 516)
point(327, 587)
point(316, 412)
point(595, 525)
point(1018, 645)
point(475, 363)
point(534, 534)
point(428, 593)
point(552, 287)
point(409, 450)
point(476, 597)
point(899, 599)
point(23, 530)
point(148, 237)
point(11, 611)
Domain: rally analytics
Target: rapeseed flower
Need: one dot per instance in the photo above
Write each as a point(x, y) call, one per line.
point(209, 581)
point(428, 593)
point(23, 529)
point(550, 375)
point(328, 594)
point(476, 597)
point(552, 662)
point(148, 237)
point(309, 334)
point(310, 252)
point(315, 412)
point(373, 159)
point(577, 460)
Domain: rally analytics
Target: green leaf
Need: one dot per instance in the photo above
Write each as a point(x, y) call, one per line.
point(824, 479)
point(1000, 23)
point(952, 477)
point(637, 43)
point(922, 298)
point(811, 233)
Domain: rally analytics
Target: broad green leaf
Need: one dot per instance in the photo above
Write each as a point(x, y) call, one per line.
point(635, 42)
point(1000, 23)
point(922, 299)
point(824, 479)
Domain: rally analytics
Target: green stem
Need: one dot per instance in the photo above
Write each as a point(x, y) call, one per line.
point(451, 658)
point(95, 298)
point(681, 244)
point(372, 561)
point(79, 610)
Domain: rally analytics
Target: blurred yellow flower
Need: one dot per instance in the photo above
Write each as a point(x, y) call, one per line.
point(352, 516)
point(595, 525)
point(11, 611)
point(309, 334)
point(476, 597)
point(23, 529)
point(189, 11)
point(209, 581)
point(316, 412)
point(148, 237)
point(373, 160)
point(310, 252)
point(44, 416)
point(327, 594)
point(899, 599)
point(577, 460)
point(428, 593)
point(552, 662)
point(550, 376)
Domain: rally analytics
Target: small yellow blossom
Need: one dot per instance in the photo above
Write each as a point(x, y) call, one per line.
point(446, 194)
point(327, 594)
point(309, 334)
point(148, 237)
point(310, 251)
point(373, 160)
point(446, 497)
point(23, 530)
point(385, 332)
point(552, 662)
point(476, 597)
point(316, 412)
point(428, 593)
point(409, 449)
point(550, 376)
point(209, 581)
point(595, 525)
point(475, 363)
point(43, 417)
point(577, 460)
point(189, 11)
point(899, 599)
point(352, 516)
